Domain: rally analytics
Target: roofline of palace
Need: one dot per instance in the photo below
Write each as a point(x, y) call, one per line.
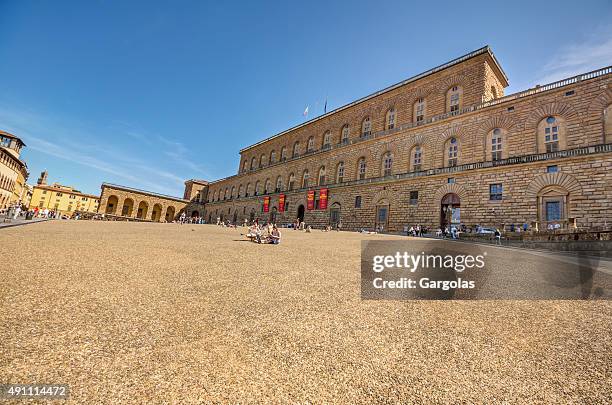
point(136, 190)
point(484, 50)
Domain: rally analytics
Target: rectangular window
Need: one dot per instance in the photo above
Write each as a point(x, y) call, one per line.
point(358, 201)
point(414, 197)
point(450, 180)
point(553, 211)
point(552, 169)
point(495, 192)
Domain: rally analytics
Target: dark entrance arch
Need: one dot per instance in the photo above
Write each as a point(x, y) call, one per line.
point(235, 217)
point(334, 215)
point(450, 210)
point(195, 214)
point(300, 212)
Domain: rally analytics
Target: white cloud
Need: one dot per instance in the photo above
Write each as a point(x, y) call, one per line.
point(95, 152)
point(576, 58)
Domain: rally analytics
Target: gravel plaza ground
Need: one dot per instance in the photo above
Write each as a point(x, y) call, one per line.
point(164, 313)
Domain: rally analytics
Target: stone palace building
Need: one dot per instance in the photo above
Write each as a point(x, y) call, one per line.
point(445, 146)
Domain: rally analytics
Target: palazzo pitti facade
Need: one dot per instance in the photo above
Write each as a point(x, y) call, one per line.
point(446, 146)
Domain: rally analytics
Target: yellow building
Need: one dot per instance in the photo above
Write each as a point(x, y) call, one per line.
point(13, 171)
point(63, 199)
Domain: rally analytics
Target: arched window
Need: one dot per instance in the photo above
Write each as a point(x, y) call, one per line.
point(390, 119)
point(416, 158)
point(551, 135)
point(305, 178)
point(272, 157)
point(327, 140)
point(607, 118)
point(279, 184)
point(310, 145)
point(233, 191)
point(268, 187)
point(495, 145)
point(226, 195)
point(257, 187)
point(452, 152)
point(361, 168)
point(322, 176)
point(262, 160)
point(248, 190)
point(245, 166)
point(453, 99)
point(283, 153)
point(493, 92)
point(340, 173)
point(344, 136)
point(240, 190)
point(291, 182)
point(296, 149)
point(366, 127)
point(253, 163)
point(419, 110)
point(387, 164)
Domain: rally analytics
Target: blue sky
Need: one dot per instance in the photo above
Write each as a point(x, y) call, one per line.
point(148, 94)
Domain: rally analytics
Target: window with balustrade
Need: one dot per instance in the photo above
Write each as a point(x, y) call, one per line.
point(551, 134)
point(340, 173)
point(419, 110)
point(387, 164)
point(291, 182)
point(453, 99)
point(279, 184)
point(273, 157)
point(296, 149)
point(344, 137)
point(452, 152)
point(283, 153)
point(416, 158)
point(305, 179)
point(310, 145)
point(248, 190)
point(322, 176)
point(253, 163)
point(496, 144)
point(390, 119)
point(326, 140)
point(366, 127)
point(361, 169)
point(257, 187)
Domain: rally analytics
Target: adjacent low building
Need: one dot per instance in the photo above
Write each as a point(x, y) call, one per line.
point(127, 203)
point(63, 199)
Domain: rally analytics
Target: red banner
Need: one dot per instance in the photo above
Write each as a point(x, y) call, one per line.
point(281, 203)
point(310, 200)
point(323, 199)
point(266, 204)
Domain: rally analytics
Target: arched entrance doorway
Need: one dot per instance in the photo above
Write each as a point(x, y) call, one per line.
point(195, 214)
point(111, 205)
point(252, 215)
point(334, 215)
point(128, 207)
point(170, 214)
point(450, 210)
point(143, 208)
point(156, 214)
point(300, 212)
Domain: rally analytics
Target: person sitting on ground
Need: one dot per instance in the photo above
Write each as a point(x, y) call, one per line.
point(308, 228)
point(275, 236)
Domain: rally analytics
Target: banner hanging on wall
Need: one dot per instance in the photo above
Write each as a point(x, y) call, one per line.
point(281, 203)
point(310, 200)
point(266, 204)
point(323, 199)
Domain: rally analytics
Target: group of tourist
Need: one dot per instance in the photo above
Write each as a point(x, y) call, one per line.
point(184, 219)
point(268, 233)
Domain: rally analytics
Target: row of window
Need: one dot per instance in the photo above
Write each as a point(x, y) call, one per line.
point(9, 161)
point(419, 111)
point(550, 130)
point(7, 183)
